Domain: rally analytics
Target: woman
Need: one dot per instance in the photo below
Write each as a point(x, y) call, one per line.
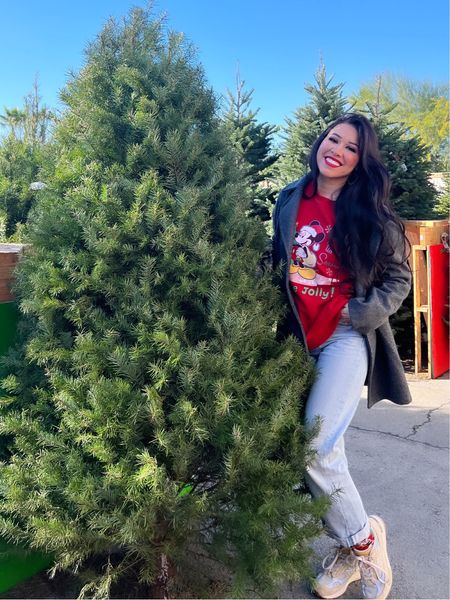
point(343, 252)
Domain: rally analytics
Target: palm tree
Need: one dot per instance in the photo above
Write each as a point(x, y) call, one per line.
point(14, 118)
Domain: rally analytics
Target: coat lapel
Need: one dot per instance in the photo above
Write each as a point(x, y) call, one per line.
point(287, 219)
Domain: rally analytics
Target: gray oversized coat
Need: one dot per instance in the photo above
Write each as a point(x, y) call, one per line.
point(369, 310)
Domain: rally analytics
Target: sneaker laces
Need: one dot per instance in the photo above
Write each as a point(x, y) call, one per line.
point(335, 555)
point(370, 571)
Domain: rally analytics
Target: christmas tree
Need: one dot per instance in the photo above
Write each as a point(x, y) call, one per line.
point(150, 420)
point(252, 142)
point(412, 193)
point(326, 104)
point(442, 206)
point(24, 154)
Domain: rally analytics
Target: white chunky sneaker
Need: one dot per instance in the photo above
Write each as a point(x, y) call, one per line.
point(374, 566)
point(340, 568)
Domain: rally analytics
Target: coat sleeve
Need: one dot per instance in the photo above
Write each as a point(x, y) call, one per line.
point(384, 299)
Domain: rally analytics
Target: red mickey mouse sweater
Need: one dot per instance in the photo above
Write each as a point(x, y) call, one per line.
point(320, 285)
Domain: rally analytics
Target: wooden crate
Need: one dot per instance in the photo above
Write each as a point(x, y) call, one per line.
point(421, 291)
point(426, 233)
point(423, 234)
point(9, 256)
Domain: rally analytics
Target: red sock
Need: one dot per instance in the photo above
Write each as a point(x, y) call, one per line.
point(364, 544)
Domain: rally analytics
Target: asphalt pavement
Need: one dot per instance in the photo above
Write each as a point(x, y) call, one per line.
point(399, 460)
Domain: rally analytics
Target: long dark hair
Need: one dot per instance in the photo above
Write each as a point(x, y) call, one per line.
point(363, 208)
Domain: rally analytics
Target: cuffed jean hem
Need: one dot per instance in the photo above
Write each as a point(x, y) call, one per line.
point(358, 537)
point(351, 540)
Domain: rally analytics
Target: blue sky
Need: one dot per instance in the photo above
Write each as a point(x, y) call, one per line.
point(276, 43)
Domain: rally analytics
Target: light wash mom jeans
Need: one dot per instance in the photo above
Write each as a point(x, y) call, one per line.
point(342, 363)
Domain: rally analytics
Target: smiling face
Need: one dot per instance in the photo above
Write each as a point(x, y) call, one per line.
point(338, 154)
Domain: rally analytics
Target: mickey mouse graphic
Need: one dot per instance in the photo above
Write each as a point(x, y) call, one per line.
point(306, 240)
